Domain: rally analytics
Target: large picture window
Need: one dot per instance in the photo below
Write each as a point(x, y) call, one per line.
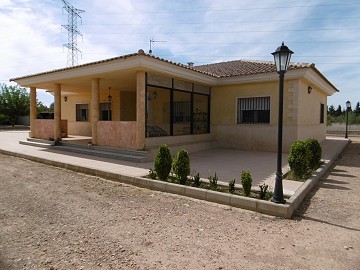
point(254, 110)
point(82, 112)
point(176, 107)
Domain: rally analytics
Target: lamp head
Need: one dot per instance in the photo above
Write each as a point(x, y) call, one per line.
point(282, 57)
point(348, 104)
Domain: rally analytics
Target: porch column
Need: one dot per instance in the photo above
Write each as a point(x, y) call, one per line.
point(95, 97)
point(33, 111)
point(57, 111)
point(140, 110)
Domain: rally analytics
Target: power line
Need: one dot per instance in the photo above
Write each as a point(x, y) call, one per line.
point(231, 32)
point(229, 9)
point(73, 32)
point(227, 22)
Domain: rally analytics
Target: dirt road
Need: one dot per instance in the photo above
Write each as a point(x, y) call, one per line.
point(52, 218)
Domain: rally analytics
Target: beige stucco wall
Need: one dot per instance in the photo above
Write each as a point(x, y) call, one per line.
point(262, 137)
point(309, 112)
point(68, 110)
point(127, 106)
point(301, 118)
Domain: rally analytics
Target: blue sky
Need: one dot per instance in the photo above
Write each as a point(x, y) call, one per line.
point(324, 32)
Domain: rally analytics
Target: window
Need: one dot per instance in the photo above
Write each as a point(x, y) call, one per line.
point(82, 112)
point(254, 110)
point(322, 113)
point(182, 114)
point(105, 111)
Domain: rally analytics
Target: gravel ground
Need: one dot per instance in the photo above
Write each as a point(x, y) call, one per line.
point(52, 218)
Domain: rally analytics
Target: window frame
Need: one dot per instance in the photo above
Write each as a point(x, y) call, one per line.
point(78, 119)
point(102, 109)
point(322, 113)
point(237, 109)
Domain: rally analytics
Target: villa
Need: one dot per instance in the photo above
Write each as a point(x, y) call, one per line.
point(139, 101)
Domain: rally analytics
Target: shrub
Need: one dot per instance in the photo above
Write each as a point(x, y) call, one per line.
point(152, 174)
point(213, 182)
point(315, 153)
point(299, 159)
point(181, 166)
point(263, 191)
point(196, 180)
point(246, 182)
point(232, 186)
point(163, 162)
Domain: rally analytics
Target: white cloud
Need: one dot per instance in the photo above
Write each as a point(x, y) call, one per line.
point(200, 31)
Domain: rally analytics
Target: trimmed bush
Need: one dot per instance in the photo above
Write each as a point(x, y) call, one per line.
point(232, 186)
point(298, 159)
point(263, 191)
point(246, 181)
point(152, 174)
point(315, 153)
point(196, 180)
point(163, 162)
point(213, 182)
point(181, 166)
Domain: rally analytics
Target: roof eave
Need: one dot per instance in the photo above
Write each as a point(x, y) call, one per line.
point(140, 61)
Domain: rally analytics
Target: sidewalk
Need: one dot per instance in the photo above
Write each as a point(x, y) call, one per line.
point(227, 164)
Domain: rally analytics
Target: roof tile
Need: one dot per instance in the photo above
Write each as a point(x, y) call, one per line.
point(244, 67)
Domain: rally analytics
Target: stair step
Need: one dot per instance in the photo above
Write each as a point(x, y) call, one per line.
point(40, 141)
point(106, 152)
point(37, 144)
point(105, 149)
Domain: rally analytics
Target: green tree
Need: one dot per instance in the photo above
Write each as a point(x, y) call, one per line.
point(357, 109)
point(14, 102)
point(163, 162)
point(331, 110)
point(181, 165)
point(338, 111)
point(51, 107)
point(41, 107)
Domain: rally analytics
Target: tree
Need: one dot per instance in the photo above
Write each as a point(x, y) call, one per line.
point(338, 111)
point(14, 102)
point(51, 107)
point(331, 110)
point(357, 109)
point(41, 107)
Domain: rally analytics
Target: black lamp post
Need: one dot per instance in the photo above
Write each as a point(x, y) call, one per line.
point(348, 105)
point(282, 57)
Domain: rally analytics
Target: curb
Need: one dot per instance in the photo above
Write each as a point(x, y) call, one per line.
point(265, 207)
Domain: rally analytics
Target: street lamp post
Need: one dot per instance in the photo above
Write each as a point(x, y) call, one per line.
point(282, 57)
point(348, 105)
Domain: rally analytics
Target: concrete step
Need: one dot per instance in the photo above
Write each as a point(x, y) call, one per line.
point(106, 152)
point(40, 141)
point(36, 144)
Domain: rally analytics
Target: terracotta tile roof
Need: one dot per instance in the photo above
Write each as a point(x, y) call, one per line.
point(244, 67)
point(223, 69)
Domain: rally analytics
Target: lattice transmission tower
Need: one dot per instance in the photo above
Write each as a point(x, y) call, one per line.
point(73, 32)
